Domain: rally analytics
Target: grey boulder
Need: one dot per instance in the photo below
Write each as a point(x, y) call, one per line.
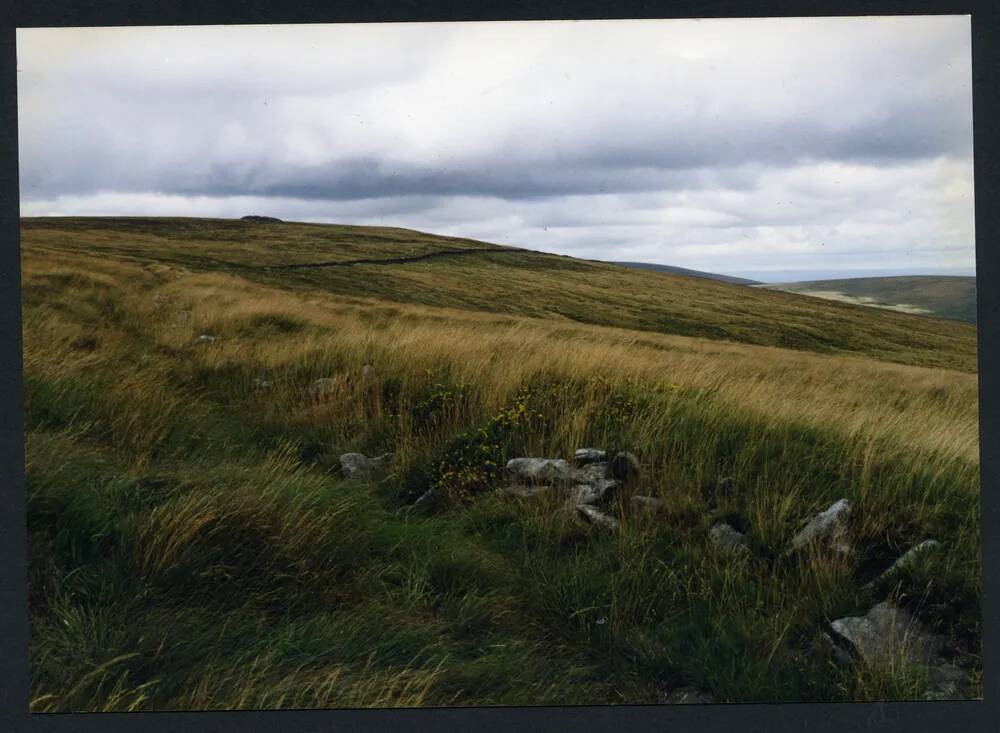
point(540, 471)
point(728, 538)
point(829, 527)
point(360, 466)
point(583, 456)
point(596, 517)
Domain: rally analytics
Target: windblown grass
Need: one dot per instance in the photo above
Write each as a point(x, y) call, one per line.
point(193, 545)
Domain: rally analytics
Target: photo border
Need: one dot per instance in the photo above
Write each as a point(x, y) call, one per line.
point(939, 717)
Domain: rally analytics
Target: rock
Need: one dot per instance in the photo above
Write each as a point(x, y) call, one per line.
point(947, 682)
point(367, 371)
point(260, 383)
point(647, 503)
point(540, 471)
point(583, 456)
point(625, 467)
point(729, 538)
point(360, 466)
point(591, 473)
point(907, 559)
point(206, 338)
point(829, 526)
point(885, 633)
point(689, 696)
point(825, 646)
point(426, 500)
point(600, 491)
point(261, 219)
point(597, 517)
point(525, 492)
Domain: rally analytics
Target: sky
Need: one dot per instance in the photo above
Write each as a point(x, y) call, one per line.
point(778, 149)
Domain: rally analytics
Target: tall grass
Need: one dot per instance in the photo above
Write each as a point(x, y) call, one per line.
point(194, 545)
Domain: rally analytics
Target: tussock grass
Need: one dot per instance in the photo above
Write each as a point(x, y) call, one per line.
point(193, 544)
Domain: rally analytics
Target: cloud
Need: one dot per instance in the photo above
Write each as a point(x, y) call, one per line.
point(698, 143)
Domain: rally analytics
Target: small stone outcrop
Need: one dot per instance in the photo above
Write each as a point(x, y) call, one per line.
point(596, 517)
point(829, 527)
point(261, 219)
point(887, 634)
point(534, 471)
point(360, 466)
point(583, 456)
point(728, 538)
point(624, 467)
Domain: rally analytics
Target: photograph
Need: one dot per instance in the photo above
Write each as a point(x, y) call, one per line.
point(500, 363)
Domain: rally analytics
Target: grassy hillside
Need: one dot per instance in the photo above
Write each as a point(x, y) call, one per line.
point(936, 295)
point(194, 544)
point(672, 270)
point(508, 281)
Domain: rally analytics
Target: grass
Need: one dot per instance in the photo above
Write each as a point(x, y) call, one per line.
point(193, 545)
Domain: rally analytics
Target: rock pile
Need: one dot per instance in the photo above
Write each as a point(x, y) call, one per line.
point(360, 466)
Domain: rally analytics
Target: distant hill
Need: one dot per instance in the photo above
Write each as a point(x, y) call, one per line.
point(383, 265)
point(684, 271)
point(942, 296)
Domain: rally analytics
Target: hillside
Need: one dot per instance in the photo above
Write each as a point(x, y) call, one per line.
point(935, 295)
point(673, 270)
point(404, 266)
point(200, 536)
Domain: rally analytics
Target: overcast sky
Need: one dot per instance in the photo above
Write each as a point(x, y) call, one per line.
point(776, 148)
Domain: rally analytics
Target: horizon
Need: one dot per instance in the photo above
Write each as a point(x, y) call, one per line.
point(819, 146)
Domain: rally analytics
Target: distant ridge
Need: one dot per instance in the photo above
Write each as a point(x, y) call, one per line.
point(684, 271)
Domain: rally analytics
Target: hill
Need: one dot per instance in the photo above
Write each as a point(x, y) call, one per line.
point(936, 295)
point(404, 266)
point(196, 392)
point(684, 271)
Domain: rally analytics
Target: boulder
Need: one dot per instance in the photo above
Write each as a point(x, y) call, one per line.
point(885, 633)
point(728, 538)
point(624, 467)
point(829, 526)
point(261, 383)
point(591, 473)
point(600, 491)
point(597, 517)
point(206, 338)
point(524, 492)
point(360, 466)
point(908, 558)
point(583, 456)
point(540, 471)
point(367, 371)
point(688, 696)
point(825, 646)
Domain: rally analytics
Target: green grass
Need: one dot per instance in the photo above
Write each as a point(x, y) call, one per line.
point(193, 545)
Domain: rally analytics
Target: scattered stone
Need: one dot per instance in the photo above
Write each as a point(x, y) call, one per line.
point(600, 491)
point(829, 526)
point(525, 492)
point(689, 696)
point(260, 383)
point(360, 466)
point(625, 467)
point(367, 371)
point(647, 503)
point(206, 338)
point(885, 632)
point(907, 559)
point(597, 517)
point(583, 456)
point(729, 538)
point(591, 473)
point(540, 471)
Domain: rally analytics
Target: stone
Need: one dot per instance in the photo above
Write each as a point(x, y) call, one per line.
point(524, 492)
point(583, 456)
point(689, 696)
point(360, 466)
point(648, 503)
point(540, 471)
point(829, 526)
point(590, 473)
point(367, 371)
point(827, 647)
point(600, 491)
point(206, 338)
point(885, 633)
point(729, 538)
point(261, 383)
point(908, 558)
point(625, 467)
point(597, 517)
